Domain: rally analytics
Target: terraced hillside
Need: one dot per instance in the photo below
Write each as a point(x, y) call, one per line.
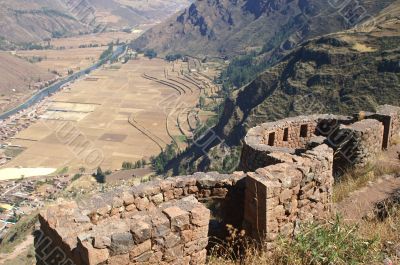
point(338, 73)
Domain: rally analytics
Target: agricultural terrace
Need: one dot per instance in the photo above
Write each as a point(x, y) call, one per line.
point(129, 111)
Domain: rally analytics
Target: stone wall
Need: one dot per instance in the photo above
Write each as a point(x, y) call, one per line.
point(362, 142)
point(156, 222)
point(289, 168)
point(291, 136)
point(280, 197)
point(174, 232)
point(356, 140)
point(394, 114)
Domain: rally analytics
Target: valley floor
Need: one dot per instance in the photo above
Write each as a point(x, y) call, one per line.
point(121, 112)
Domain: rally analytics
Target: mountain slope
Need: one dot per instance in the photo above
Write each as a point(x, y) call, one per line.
point(17, 79)
point(35, 20)
point(220, 27)
point(24, 21)
point(339, 73)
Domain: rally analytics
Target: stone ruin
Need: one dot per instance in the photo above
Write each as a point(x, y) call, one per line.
point(355, 140)
point(287, 179)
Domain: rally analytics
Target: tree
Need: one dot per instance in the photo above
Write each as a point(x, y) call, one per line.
point(100, 176)
point(202, 102)
point(150, 54)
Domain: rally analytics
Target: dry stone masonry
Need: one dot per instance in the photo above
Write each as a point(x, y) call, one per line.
point(287, 179)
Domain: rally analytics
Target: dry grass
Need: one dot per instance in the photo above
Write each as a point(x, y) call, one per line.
point(387, 230)
point(333, 242)
point(370, 241)
point(363, 48)
point(353, 180)
point(396, 140)
point(357, 178)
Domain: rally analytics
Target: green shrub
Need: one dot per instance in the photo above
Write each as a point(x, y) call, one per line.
point(76, 177)
point(150, 53)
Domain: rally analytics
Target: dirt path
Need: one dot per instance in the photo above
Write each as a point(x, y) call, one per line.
point(361, 202)
point(21, 248)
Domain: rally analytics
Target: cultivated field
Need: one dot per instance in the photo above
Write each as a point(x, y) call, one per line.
point(63, 60)
point(125, 111)
point(101, 39)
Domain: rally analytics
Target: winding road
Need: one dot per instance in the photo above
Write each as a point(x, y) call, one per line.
point(45, 92)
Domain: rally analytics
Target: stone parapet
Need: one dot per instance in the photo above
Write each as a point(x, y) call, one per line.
point(363, 141)
point(289, 167)
point(174, 232)
point(355, 140)
point(279, 197)
point(393, 113)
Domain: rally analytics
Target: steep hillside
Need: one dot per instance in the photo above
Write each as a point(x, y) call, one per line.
point(32, 21)
point(220, 27)
point(17, 79)
point(124, 13)
point(24, 21)
point(16, 73)
point(338, 73)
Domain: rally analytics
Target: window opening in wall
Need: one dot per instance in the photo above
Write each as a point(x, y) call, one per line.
point(271, 139)
point(286, 134)
point(304, 130)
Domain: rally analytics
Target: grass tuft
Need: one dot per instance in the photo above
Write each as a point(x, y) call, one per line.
point(316, 244)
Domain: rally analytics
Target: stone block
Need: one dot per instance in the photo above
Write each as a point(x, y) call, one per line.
point(219, 192)
point(171, 240)
point(117, 202)
point(195, 246)
point(193, 189)
point(179, 219)
point(285, 196)
point(187, 236)
point(178, 192)
point(158, 198)
point(156, 257)
point(127, 198)
point(94, 256)
point(101, 242)
point(142, 204)
point(174, 253)
point(144, 258)
point(161, 225)
point(139, 249)
point(119, 260)
point(169, 195)
point(121, 243)
point(131, 208)
point(200, 216)
point(141, 231)
point(200, 232)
